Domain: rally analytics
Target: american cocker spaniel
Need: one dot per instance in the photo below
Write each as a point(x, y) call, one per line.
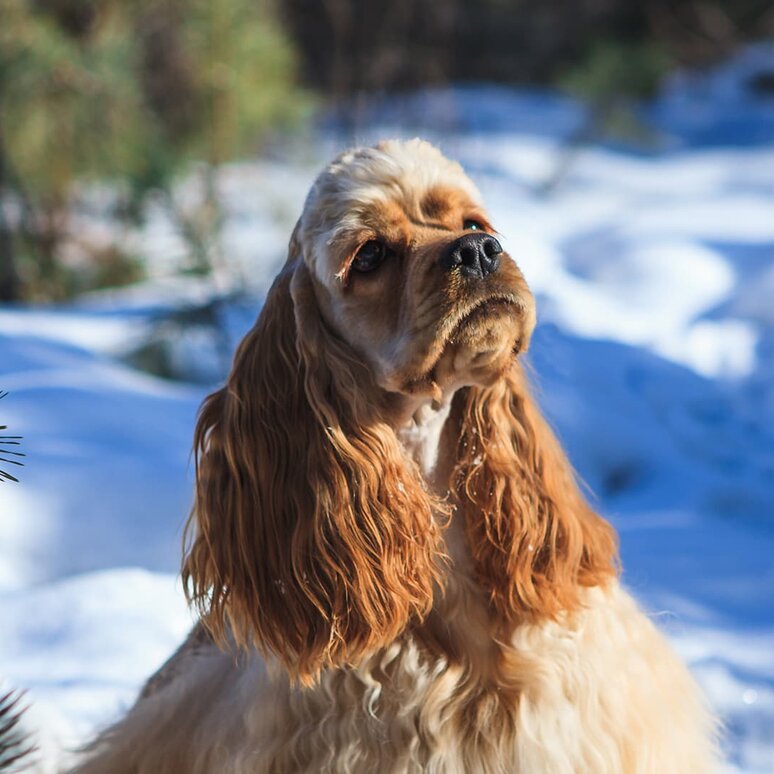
point(395, 568)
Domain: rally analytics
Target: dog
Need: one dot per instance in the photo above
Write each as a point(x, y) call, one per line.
point(394, 566)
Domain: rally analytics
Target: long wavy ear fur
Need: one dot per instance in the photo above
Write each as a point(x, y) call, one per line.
point(535, 541)
point(312, 535)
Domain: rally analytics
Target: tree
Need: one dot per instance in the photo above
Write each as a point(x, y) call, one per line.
point(128, 93)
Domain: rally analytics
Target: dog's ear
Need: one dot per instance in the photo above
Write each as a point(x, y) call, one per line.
point(534, 539)
point(312, 536)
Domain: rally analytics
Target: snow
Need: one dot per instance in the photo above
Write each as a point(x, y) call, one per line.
point(654, 360)
point(83, 645)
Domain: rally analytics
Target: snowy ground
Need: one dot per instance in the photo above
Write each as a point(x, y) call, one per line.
point(654, 359)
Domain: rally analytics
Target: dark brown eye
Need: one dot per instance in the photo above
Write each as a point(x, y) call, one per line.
point(369, 256)
point(472, 225)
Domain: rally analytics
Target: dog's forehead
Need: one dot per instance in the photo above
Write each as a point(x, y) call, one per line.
point(366, 180)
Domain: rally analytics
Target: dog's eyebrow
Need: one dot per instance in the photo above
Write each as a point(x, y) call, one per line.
point(437, 226)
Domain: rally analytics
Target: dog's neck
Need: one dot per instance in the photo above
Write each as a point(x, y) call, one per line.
point(429, 438)
point(421, 437)
point(460, 624)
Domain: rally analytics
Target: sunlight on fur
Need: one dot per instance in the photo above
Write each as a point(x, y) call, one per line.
point(394, 566)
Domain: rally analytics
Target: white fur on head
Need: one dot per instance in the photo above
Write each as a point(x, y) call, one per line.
point(360, 178)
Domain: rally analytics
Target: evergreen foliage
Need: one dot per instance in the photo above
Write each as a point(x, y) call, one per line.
point(9, 451)
point(15, 747)
point(128, 93)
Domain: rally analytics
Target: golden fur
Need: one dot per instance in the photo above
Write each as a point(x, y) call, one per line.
point(393, 563)
point(294, 459)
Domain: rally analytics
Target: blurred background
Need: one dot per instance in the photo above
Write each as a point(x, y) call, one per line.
point(154, 157)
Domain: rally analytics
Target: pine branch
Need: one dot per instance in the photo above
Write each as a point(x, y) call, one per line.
point(9, 456)
point(14, 743)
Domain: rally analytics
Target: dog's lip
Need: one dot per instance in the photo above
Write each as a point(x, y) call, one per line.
point(423, 376)
point(458, 321)
point(488, 303)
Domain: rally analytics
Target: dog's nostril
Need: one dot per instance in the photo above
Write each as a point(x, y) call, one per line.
point(492, 247)
point(469, 256)
point(490, 264)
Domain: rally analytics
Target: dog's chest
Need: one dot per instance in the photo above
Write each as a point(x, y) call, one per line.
point(478, 707)
point(401, 712)
point(566, 696)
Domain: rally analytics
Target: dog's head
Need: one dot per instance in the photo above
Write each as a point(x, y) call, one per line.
point(314, 535)
point(407, 269)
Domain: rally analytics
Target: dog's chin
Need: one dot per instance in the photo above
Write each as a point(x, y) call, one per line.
point(480, 350)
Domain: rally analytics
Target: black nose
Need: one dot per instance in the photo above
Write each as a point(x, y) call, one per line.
point(476, 255)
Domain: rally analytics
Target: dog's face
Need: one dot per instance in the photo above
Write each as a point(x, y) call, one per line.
point(408, 272)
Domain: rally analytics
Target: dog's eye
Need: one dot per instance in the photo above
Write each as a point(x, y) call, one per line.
point(472, 225)
point(369, 256)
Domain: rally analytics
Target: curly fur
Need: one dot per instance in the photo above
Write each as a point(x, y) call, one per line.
point(395, 568)
point(295, 467)
point(535, 541)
